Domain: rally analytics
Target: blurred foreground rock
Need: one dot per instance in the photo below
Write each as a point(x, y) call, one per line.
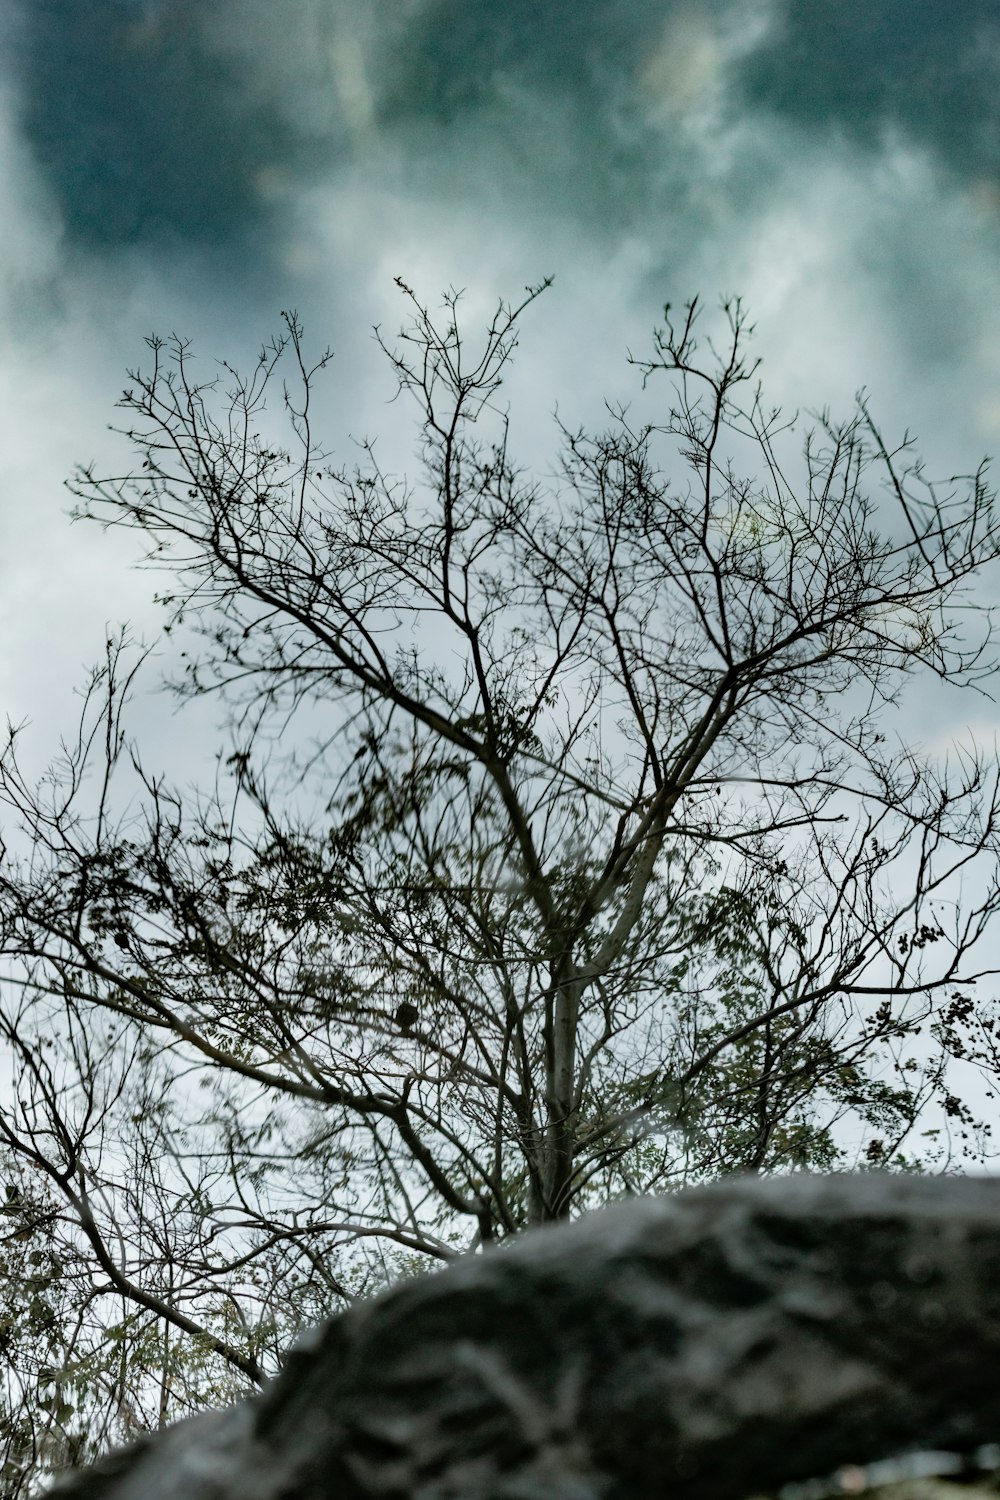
point(935, 1489)
point(715, 1344)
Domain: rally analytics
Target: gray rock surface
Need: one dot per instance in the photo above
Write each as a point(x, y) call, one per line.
point(713, 1344)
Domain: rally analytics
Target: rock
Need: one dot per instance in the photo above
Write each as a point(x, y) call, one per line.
point(932, 1489)
point(712, 1344)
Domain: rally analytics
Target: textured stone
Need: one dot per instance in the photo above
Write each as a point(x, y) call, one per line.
point(712, 1344)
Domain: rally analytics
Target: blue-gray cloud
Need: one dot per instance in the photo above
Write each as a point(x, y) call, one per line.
point(141, 128)
point(929, 70)
point(160, 121)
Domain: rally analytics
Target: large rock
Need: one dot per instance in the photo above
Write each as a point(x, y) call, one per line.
point(713, 1344)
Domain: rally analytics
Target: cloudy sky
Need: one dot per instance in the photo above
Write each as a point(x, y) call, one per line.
point(198, 165)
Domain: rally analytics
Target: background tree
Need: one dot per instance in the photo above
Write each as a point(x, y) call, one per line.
point(563, 849)
point(38, 1337)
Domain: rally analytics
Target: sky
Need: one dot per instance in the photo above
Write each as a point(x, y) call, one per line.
point(195, 166)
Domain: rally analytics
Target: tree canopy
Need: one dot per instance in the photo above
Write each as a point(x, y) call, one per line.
point(564, 845)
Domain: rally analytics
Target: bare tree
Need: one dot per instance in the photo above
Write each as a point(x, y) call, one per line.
point(565, 848)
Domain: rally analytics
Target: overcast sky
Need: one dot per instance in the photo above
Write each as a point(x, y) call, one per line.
point(198, 165)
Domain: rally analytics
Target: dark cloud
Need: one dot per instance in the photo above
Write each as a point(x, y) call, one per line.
point(930, 70)
point(142, 130)
point(461, 55)
point(153, 119)
point(182, 121)
point(548, 99)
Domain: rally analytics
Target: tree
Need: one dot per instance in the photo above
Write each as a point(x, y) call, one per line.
point(38, 1336)
point(563, 849)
